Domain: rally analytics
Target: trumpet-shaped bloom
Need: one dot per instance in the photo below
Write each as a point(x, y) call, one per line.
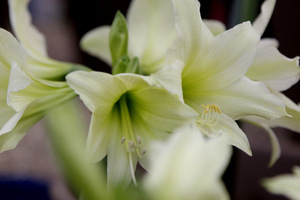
point(188, 167)
point(151, 32)
point(287, 185)
point(30, 81)
point(212, 72)
point(128, 113)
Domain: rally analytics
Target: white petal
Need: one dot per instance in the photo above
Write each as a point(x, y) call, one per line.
point(161, 110)
point(243, 98)
point(170, 78)
point(15, 129)
point(18, 80)
point(263, 19)
point(291, 122)
point(215, 26)
point(186, 167)
point(12, 122)
point(276, 151)
point(273, 68)
point(96, 89)
point(96, 43)
point(193, 35)
point(101, 127)
point(223, 61)
point(118, 163)
point(275, 146)
point(151, 32)
point(10, 50)
point(287, 185)
point(228, 129)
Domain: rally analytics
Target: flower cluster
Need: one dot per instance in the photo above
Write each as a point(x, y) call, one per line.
point(177, 87)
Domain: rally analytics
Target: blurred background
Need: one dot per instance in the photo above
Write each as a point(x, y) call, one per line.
point(31, 168)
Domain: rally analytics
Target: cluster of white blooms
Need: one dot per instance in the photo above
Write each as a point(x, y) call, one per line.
point(177, 87)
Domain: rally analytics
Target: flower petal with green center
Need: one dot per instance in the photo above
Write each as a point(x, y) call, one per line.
point(128, 113)
point(213, 73)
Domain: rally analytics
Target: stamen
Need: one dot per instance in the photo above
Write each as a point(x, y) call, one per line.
point(132, 170)
point(210, 115)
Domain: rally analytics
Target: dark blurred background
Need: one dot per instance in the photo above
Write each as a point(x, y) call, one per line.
point(64, 22)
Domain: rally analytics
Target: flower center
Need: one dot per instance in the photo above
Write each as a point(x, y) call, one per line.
point(209, 118)
point(129, 139)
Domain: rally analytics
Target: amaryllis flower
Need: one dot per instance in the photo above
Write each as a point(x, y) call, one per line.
point(212, 70)
point(31, 82)
point(127, 114)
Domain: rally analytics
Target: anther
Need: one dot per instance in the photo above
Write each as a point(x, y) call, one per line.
point(139, 139)
point(132, 144)
point(123, 140)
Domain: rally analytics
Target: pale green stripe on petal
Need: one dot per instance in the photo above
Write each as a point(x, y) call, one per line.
point(263, 19)
point(96, 43)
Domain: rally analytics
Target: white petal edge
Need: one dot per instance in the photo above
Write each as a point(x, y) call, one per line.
point(96, 43)
point(264, 17)
point(215, 26)
point(151, 32)
point(32, 40)
point(18, 80)
point(274, 69)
